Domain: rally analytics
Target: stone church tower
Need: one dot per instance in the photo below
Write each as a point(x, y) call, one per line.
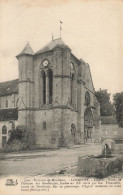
point(56, 96)
point(26, 90)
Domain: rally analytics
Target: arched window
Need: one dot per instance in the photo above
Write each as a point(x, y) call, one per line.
point(4, 130)
point(44, 126)
point(50, 75)
point(72, 87)
point(71, 66)
point(44, 87)
point(72, 75)
point(87, 98)
point(73, 131)
point(6, 103)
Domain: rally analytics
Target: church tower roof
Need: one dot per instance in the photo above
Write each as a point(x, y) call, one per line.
point(27, 50)
point(51, 45)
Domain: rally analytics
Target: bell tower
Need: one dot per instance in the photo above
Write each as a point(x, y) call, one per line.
point(26, 89)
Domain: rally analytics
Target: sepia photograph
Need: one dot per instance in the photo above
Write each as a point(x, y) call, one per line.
point(61, 97)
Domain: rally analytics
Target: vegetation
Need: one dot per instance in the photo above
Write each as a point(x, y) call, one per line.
point(118, 105)
point(111, 109)
point(17, 134)
point(106, 107)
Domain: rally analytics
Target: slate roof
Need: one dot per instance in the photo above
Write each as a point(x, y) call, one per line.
point(52, 45)
point(108, 120)
point(27, 50)
point(8, 114)
point(9, 87)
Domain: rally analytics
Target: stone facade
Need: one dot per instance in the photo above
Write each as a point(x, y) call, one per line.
point(57, 100)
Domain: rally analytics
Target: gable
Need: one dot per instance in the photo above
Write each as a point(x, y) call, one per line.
point(50, 46)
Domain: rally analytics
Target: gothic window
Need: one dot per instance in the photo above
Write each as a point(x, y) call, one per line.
point(87, 98)
point(73, 131)
point(6, 103)
point(44, 87)
point(50, 75)
point(72, 75)
point(72, 87)
point(4, 130)
point(72, 66)
point(44, 126)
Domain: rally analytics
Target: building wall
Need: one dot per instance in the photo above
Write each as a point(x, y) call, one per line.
point(111, 131)
point(47, 137)
point(58, 127)
point(12, 101)
point(69, 118)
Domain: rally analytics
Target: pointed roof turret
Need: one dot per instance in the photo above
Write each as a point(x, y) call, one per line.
point(27, 50)
point(50, 46)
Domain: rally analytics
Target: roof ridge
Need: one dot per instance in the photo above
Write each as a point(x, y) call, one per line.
point(9, 87)
point(9, 81)
point(51, 45)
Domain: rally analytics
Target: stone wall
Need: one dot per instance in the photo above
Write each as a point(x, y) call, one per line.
point(58, 128)
point(111, 131)
point(69, 117)
point(47, 128)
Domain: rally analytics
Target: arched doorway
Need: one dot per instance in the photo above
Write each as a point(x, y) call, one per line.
point(88, 123)
point(73, 131)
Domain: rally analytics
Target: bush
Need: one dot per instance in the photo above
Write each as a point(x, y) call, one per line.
point(17, 134)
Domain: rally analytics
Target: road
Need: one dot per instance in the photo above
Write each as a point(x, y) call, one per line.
point(44, 162)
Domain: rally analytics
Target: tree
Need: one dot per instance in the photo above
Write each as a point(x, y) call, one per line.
point(106, 107)
point(118, 104)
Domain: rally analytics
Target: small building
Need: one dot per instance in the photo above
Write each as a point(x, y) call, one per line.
point(110, 129)
point(8, 109)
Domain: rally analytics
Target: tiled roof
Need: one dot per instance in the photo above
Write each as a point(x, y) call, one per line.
point(51, 45)
point(8, 114)
point(27, 50)
point(9, 87)
point(108, 120)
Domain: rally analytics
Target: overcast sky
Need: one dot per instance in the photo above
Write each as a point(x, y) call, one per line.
point(92, 29)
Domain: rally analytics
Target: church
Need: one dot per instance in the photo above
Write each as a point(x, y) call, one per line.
point(54, 98)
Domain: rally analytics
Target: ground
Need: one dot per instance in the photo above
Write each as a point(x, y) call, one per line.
point(46, 162)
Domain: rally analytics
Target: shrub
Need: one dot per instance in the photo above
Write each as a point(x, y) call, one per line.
point(17, 134)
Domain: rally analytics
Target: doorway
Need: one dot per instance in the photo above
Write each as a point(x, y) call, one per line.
point(88, 123)
point(73, 131)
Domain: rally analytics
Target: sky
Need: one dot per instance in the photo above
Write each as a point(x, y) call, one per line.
point(92, 29)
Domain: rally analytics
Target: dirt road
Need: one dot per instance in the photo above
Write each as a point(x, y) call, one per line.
point(44, 162)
